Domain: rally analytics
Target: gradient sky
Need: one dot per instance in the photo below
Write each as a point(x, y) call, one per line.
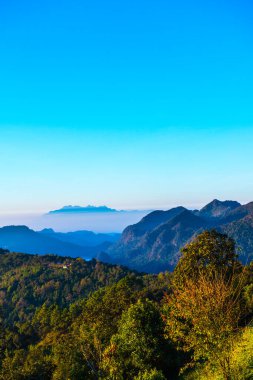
point(132, 104)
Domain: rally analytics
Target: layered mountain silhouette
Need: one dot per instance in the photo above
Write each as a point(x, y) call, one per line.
point(83, 237)
point(154, 244)
point(151, 245)
point(83, 244)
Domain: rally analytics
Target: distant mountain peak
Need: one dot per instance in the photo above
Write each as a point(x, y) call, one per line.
point(82, 209)
point(218, 209)
point(47, 231)
point(16, 228)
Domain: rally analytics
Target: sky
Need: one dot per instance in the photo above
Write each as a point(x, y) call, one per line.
point(130, 104)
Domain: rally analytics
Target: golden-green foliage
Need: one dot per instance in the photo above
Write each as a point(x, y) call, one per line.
point(240, 357)
point(204, 310)
point(152, 374)
point(203, 315)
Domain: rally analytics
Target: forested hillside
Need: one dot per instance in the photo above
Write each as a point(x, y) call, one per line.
point(65, 318)
point(29, 281)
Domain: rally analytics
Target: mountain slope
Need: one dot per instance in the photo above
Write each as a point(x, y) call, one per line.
point(132, 233)
point(158, 249)
point(239, 213)
point(154, 244)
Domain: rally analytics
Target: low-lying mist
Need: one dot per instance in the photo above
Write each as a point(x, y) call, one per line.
point(97, 222)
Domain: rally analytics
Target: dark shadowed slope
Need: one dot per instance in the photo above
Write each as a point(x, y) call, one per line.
point(239, 213)
point(148, 223)
point(242, 232)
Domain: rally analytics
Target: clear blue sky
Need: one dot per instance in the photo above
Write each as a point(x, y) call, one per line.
point(133, 104)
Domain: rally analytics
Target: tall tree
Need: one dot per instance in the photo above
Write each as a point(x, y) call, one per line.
point(210, 252)
point(204, 309)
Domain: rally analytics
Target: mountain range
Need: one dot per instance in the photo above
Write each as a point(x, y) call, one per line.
point(85, 244)
point(151, 245)
point(154, 244)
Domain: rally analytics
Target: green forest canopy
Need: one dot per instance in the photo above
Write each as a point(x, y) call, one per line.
point(64, 318)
